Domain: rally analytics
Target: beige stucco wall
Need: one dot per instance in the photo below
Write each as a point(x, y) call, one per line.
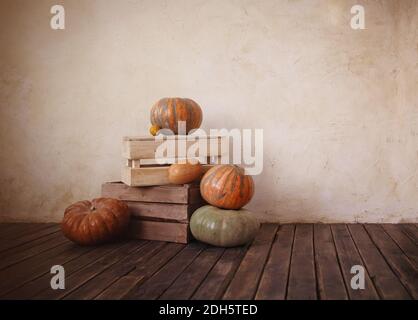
point(338, 107)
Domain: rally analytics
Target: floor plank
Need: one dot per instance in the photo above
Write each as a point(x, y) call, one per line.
point(162, 279)
point(386, 282)
point(409, 248)
point(289, 261)
point(34, 287)
point(95, 286)
point(218, 279)
point(133, 280)
point(30, 235)
point(411, 231)
point(273, 283)
point(348, 256)
point(245, 282)
point(189, 280)
point(302, 280)
point(29, 269)
point(329, 277)
point(6, 227)
point(398, 261)
point(90, 271)
point(20, 229)
point(30, 249)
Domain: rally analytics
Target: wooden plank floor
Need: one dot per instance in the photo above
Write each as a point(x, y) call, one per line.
point(302, 261)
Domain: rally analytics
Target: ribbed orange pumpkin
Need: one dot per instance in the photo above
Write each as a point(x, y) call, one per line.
point(168, 111)
point(98, 221)
point(226, 186)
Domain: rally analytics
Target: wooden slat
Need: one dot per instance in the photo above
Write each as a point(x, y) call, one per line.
point(143, 271)
point(348, 257)
point(29, 249)
point(29, 236)
point(218, 279)
point(411, 231)
point(159, 230)
point(245, 281)
point(273, 283)
point(99, 283)
point(402, 266)
point(33, 288)
point(139, 148)
point(90, 271)
point(387, 284)
point(186, 284)
point(160, 281)
point(404, 242)
point(166, 211)
point(329, 277)
point(302, 281)
point(29, 269)
point(183, 194)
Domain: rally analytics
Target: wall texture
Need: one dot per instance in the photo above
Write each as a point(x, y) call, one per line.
point(339, 107)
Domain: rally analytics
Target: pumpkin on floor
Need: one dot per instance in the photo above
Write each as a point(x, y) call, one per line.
point(168, 111)
point(223, 228)
point(95, 222)
point(226, 186)
point(180, 173)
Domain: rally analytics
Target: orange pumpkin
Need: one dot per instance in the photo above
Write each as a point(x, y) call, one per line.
point(168, 111)
point(180, 173)
point(98, 221)
point(226, 186)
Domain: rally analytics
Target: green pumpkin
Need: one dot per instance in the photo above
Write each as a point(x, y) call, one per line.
point(223, 228)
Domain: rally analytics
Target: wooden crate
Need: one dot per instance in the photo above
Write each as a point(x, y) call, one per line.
point(143, 169)
point(158, 212)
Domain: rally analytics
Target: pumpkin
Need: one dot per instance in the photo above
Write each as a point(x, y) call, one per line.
point(223, 228)
point(226, 186)
point(95, 222)
point(180, 173)
point(168, 111)
point(154, 130)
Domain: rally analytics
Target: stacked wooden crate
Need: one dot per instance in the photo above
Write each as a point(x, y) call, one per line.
point(160, 211)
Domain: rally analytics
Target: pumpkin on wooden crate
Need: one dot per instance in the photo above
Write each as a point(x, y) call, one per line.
point(223, 228)
point(181, 173)
point(94, 222)
point(226, 186)
point(166, 113)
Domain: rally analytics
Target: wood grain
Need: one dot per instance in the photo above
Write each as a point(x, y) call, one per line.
point(182, 194)
point(398, 261)
point(160, 281)
point(159, 231)
point(273, 283)
point(348, 256)
point(329, 277)
point(133, 280)
point(186, 284)
point(302, 280)
point(245, 281)
point(165, 211)
point(387, 284)
point(218, 279)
